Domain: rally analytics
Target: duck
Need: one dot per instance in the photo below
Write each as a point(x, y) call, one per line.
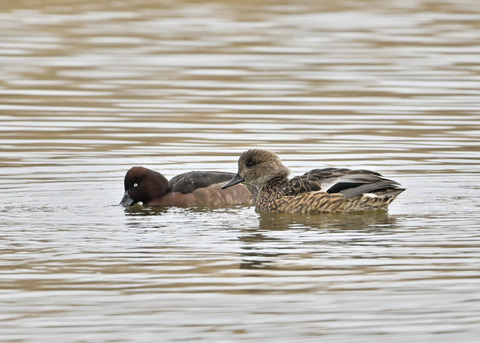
point(191, 189)
point(316, 191)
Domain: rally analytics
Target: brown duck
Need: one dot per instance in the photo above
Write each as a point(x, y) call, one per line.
point(192, 189)
point(319, 190)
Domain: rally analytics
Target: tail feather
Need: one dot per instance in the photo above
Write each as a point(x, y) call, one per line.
point(385, 187)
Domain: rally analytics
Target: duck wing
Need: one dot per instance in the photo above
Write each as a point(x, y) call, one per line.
point(188, 182)
point(350, 183)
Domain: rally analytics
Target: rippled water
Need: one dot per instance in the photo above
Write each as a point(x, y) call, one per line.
point(89, 89)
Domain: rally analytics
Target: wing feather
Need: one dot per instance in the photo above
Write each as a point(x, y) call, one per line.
point(189, 182)
point(348, 182)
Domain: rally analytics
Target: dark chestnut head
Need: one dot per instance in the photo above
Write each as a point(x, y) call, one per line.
point(143, 185)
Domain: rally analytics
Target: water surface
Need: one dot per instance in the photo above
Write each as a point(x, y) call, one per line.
point(90, 89)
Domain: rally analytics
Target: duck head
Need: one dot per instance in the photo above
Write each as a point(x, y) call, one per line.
point(143, 185)
point(257, 167)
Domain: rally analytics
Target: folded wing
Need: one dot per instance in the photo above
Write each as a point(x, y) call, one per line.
point(189, 182)
point(350, 183)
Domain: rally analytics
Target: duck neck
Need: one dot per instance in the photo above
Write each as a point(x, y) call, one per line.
point(159, 186)
point(269, 193)
point(272, 189)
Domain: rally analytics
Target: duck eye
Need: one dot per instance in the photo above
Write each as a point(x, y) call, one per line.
point(250, 163)
point(135, 185)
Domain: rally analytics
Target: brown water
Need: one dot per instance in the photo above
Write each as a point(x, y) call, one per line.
point(89, 89)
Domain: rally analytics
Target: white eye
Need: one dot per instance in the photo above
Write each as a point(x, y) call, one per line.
point(135, 185)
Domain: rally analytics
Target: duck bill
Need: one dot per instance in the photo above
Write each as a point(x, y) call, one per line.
point(236, 179)
point(126, 200)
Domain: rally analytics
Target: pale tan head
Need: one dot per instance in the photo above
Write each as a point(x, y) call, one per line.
point(257, 167)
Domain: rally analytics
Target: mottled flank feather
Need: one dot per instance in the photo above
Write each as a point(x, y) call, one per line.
point(319, 190)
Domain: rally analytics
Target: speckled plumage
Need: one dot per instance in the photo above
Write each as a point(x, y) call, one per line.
point(319, 190)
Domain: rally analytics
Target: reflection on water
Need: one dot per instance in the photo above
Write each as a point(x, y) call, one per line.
point(329, 221)
point(90, 89)
point(308, 237)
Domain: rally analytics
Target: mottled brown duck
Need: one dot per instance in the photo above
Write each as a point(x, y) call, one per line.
point(319, 190)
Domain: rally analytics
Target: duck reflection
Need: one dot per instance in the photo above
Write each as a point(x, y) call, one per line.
point(284, 240)
point(139, 210)
point(331, 221)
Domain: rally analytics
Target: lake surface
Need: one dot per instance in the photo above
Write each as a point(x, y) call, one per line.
point(89, 89)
